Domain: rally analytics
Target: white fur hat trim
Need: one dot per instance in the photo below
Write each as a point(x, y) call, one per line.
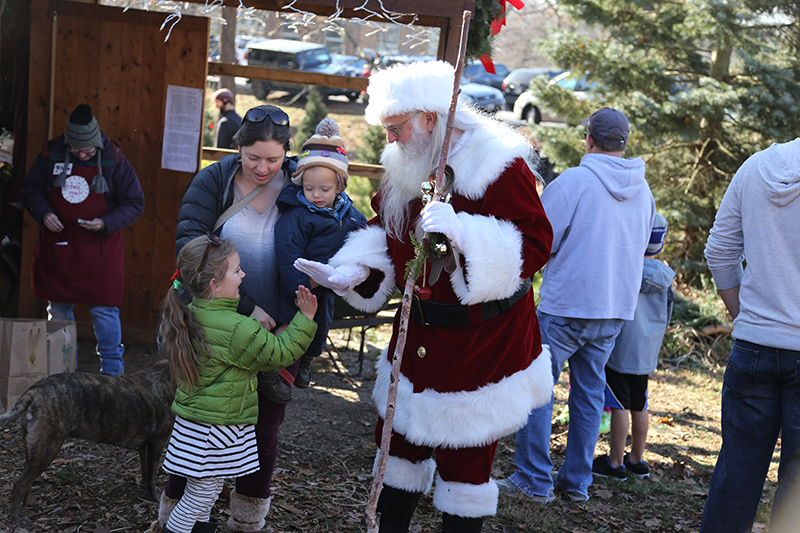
point(401, 89)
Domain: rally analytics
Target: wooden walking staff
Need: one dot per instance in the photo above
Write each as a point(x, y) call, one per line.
point(405, 311)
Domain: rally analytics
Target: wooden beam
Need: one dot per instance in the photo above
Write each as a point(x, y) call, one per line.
point(285, 75)
point(428, 12)
point(373, 172)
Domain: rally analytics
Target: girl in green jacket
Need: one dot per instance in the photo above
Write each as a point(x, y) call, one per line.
point(214, 355)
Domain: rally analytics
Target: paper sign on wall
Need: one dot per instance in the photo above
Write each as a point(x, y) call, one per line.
point(182, 123)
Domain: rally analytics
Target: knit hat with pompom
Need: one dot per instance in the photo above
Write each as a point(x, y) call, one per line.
point(324, 149)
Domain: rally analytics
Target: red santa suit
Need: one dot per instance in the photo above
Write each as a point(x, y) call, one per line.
point(463, 387)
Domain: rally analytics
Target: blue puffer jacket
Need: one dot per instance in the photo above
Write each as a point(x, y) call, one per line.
point(304, 230)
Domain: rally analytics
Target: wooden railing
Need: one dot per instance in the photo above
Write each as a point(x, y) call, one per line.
point(372, 172)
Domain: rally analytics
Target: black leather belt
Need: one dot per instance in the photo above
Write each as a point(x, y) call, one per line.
point(427, 313)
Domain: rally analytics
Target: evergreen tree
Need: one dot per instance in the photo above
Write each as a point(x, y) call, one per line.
point(374, 139)
point(316, 110)
point(704, 83)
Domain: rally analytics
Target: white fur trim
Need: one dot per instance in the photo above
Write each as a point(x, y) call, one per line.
point(404, 475)
point(484, 155)
point(492, 251)
point(401, 89)
point(465, 418)
point(466, 499)
point(367, 247)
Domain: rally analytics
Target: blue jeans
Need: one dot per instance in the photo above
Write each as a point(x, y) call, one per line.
point(587, 344)
point(107, 330)
point(760, 399)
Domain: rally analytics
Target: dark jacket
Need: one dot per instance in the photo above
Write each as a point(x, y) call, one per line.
point(77, 265)
point(124, 199)
point(206, 198)
point(227, 126)
point(304, 230)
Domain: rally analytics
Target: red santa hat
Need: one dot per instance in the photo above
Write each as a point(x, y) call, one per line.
point(401, 89)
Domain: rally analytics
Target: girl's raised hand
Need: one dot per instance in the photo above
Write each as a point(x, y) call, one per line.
point(306, 302)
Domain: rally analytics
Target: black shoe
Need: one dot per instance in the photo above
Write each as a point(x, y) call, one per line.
point(601, 466)
point(303, 378)
point(205, 527)
point(274, 387)
point(640, 470)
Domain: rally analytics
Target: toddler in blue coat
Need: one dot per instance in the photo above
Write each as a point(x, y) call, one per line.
point(315, 217)
point(635, 355)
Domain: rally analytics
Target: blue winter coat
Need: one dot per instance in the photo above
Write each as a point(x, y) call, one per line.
point(304, 230)
point(638, 343)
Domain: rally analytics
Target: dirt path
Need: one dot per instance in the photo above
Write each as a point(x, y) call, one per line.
point(324, 470)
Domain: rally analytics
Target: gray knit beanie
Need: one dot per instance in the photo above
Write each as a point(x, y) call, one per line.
point(81, 132)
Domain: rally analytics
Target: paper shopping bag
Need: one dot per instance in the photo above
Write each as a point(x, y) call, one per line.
point(23, 357)
point(62, 346)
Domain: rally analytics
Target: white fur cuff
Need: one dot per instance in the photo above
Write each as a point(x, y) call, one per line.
point(492, 250)
point(466, 499)
point(404, 475)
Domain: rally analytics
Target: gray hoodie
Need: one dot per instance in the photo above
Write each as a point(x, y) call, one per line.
point(601, 212)
point(758, 220)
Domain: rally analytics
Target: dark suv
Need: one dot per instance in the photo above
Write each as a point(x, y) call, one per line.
point(476, 73)
point(292, 55)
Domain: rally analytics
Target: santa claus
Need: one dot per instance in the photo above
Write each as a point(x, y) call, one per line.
point(473, 366)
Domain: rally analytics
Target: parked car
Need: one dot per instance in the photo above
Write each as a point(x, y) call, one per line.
point(476, 73)
point(526, 108)
point(481, 96)
point(292, 55)
point(519, 79)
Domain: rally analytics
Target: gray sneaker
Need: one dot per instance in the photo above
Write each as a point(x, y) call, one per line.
point(507, 487)
point(571, 495)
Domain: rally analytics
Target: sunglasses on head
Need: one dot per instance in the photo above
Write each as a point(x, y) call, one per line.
point(213, 240)
point(259, 114)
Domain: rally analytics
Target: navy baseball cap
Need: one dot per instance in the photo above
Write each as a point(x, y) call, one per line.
point(608, 126)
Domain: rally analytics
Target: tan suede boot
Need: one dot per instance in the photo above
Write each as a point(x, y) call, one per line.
point(248, 515)
point(165, 507)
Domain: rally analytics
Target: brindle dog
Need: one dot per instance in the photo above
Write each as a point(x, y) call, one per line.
point(132, 411)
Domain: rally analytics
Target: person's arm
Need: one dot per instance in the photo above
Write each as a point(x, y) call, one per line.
point(724, 250)
point(34, 191)
point(730, 297)
point(125, 198)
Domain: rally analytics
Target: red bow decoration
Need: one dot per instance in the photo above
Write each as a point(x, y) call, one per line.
point(496, 25)
point(175, 275)
point(500, 20)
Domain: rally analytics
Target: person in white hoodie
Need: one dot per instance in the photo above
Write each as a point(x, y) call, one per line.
point(601, 213)
point(757, 221)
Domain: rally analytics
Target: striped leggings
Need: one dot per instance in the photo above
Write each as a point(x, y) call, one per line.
point(195, 504)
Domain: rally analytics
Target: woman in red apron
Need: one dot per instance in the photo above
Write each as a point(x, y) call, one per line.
point(82, 192)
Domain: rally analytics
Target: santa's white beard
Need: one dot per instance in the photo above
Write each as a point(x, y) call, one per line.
point(406, 167)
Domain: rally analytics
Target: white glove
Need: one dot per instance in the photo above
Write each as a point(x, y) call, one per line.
point(341, 280)
point(439, 217)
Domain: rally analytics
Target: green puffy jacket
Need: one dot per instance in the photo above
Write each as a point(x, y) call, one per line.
point(240, 347)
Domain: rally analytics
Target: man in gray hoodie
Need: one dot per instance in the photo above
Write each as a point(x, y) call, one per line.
point(758, 220)
point(601, 213)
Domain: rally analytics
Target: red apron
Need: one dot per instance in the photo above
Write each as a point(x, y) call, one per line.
point(77, 265)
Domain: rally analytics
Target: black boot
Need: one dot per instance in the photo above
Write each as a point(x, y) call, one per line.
point(303, 378)
point(205, 527)
point(273, 386)
point(396, 508)
point(459, 524)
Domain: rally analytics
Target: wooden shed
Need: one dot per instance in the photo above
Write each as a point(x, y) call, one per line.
point(119, 63)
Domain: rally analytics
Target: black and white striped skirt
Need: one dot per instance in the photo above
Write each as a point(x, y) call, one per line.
point(206, 450)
